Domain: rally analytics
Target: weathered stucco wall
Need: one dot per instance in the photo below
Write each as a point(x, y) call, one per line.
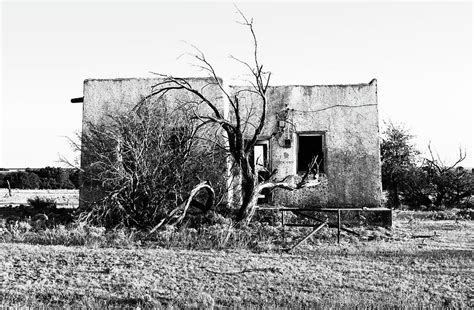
point(347, 116)
point(108, 96)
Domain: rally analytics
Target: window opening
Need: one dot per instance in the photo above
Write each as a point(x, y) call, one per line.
point(309, 146)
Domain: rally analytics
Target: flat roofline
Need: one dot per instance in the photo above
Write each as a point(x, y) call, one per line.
point(372, 82)
point(149, 78)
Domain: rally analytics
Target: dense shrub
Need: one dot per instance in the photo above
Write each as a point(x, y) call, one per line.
point(144, 163)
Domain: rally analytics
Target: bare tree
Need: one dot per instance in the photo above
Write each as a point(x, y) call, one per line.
point(450, 184)
point(241, 129)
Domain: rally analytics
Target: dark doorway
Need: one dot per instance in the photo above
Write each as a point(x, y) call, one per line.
point(259, 160)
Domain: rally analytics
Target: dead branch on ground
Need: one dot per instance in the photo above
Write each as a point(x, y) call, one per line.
point(177, 215)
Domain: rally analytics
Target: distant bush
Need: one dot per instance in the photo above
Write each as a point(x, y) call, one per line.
point(421, 183)
point(43, 178)
point(54, 178)
point(42, 203)
point(436, 188)
point(451, 214)
point(22, 180)
point(398, 156)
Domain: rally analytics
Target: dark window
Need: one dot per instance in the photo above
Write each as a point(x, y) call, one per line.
point(310, 146)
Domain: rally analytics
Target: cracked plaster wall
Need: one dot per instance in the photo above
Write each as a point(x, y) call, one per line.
point(348, 117)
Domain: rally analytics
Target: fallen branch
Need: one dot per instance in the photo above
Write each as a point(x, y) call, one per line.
point(177, 215)
point(245, 270)
point(291, 185)
point(423, 236)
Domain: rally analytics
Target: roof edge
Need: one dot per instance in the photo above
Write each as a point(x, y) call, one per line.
point(373, 82)
point(147, 78)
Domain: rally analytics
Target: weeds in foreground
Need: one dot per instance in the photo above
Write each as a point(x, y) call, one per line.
point(255, 237)
point(218, 233)
point(76, 234)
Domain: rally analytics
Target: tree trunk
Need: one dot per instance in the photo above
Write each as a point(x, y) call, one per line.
point(248, 192)
point(394, 196)
point(9, 189)
point(251, 188)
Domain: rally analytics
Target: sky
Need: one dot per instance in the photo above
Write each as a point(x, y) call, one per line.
point(419, 52)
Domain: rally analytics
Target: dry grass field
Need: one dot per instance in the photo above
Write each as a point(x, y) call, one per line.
point(63, 197)
point(408, 269)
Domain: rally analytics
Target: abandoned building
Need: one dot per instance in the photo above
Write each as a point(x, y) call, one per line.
point(338, 123)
